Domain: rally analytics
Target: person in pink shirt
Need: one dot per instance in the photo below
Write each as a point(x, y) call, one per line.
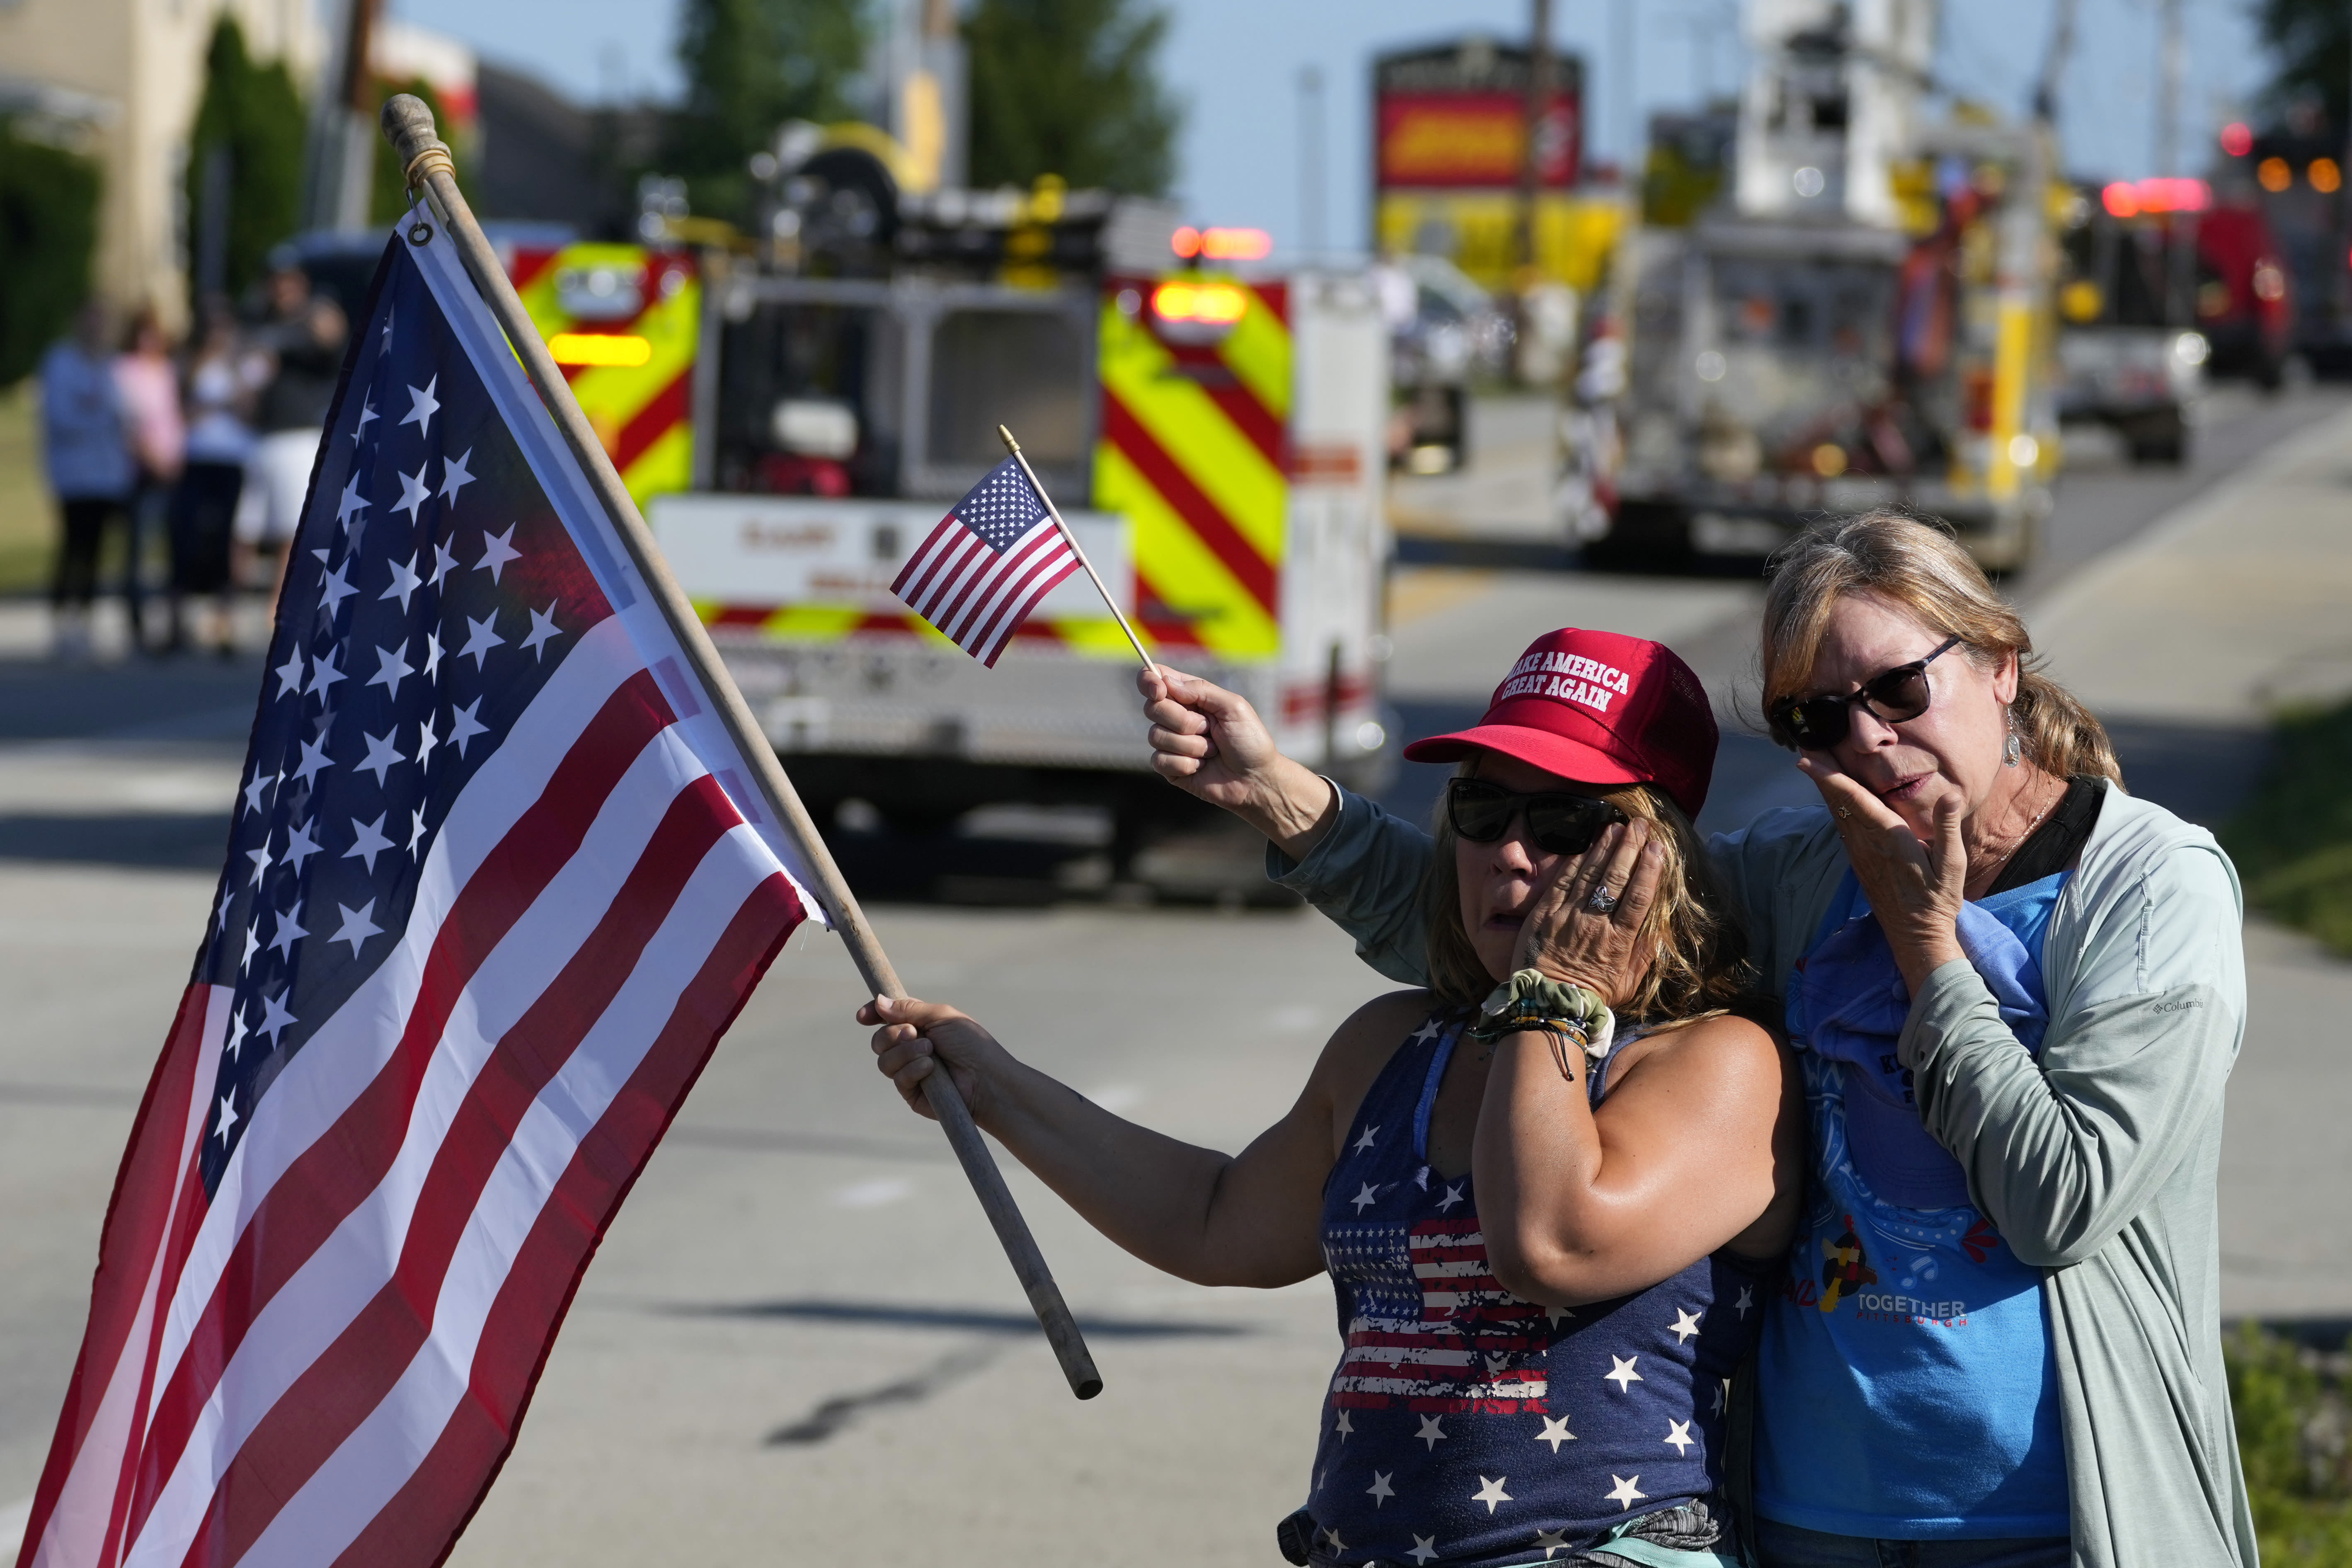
point(149, 382)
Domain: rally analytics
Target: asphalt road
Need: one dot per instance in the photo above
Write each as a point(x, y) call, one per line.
point(799, 1341)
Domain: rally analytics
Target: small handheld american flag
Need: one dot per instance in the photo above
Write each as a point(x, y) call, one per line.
point(988, 564)
point(994, 559)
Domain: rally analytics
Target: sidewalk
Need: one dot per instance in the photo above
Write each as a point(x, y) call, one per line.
point(2185, 641)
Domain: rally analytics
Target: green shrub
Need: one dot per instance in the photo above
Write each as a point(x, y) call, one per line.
point(49, 233)
point(2291, 1413)
point(2292, 843)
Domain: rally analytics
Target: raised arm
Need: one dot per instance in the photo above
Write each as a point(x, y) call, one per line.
point(1212, 1218)
point(1697, 1146)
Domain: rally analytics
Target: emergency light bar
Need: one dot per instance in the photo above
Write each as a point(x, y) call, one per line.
point(600, 348)
point(1222, 244)
point(1206, 304)
point(2130, 198)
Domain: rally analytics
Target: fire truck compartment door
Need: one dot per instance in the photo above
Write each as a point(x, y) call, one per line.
point(745, 552)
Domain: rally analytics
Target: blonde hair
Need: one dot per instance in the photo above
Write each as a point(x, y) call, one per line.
point(1919, 569)
point(1699, 962)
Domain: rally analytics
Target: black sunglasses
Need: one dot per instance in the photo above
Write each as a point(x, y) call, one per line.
point(1559, 823)
point(1892, 696)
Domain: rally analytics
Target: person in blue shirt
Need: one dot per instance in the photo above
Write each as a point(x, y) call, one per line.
point(2016, 993)
point(1551, 1214)
point(85, 443)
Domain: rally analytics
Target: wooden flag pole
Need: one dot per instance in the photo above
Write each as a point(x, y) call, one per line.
point(409, 126)
point(1076, 549)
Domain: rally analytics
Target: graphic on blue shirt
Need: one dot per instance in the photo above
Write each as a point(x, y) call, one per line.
point(1905, 1389)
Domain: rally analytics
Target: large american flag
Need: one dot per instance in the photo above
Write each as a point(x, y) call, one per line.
point(496, 883)
point(988, 564)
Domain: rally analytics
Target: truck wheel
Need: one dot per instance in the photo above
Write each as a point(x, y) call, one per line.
point(2159, 439)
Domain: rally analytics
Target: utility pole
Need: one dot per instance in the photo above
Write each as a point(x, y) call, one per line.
point(1629, 100)
point(2180, 267)
point(1313, 238)
point(341, 157)
point(1538, 110)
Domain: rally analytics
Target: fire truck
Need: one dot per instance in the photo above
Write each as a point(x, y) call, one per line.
point(795, 415)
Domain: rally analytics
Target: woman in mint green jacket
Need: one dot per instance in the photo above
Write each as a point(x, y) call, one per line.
point(2017, 993)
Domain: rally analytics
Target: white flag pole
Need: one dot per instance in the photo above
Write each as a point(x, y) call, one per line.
point(1076, 549)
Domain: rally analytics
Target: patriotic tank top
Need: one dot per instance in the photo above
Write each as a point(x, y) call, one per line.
point(1467, 1428)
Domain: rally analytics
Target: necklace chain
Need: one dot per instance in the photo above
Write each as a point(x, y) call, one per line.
point(2019, 842)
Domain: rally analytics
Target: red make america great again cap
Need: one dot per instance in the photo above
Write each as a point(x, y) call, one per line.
point(1597, 708)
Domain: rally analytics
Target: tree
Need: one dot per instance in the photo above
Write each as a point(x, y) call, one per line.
point(1071, 87)
point(2312, 40)
point(751, 65)
point(49, 233)
point(251, 117)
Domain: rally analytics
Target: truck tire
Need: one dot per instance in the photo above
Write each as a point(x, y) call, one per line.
point(2159, 437)
point(1647, 536)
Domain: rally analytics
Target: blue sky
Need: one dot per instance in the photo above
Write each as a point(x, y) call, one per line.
point(1237, 65)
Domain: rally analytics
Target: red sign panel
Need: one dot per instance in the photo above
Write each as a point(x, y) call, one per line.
point(1472, 139)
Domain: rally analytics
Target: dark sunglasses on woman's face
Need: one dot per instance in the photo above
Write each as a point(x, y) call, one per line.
point(1559, 822)
point(1892, 696)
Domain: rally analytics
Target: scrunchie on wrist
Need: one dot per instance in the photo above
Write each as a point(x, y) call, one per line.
point(1532, 999)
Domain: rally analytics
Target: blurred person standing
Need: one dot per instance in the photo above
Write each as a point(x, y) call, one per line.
point(226, 376)
point(150, 384)
point(304, 338)
point(87, 448)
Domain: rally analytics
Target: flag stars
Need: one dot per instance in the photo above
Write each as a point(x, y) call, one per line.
point(432, 654)
point(543, 630)
point(289, 932)
point(422, 406)
point(416, 834)
point(252, 946)
point(1678, 1437)
point(1555, 1432)
point(405, 582)
point(356, 926)
point(1424, 1547)
point(1626, 1495)
point(236, 1033)
point(260, 859)
point(323, 675)
point(300, 847)
point(1453, 1195)
point(480, 639)
point(1746, 1301)
point(1366, 1140)
point(1379, 1491)
point(381, 756)
point(1684, 1325)
point(1491, 1492)
point(1552, 1540)
point(444, 561)
point(255, 787)
point(497, 551)
point(1623, 1374)
point(275, 1017)
point(1432, 1432)
point(228, 1118)
point(314, 760)
point(1344, 1427)
point(367, 842)
point(1364, 1199)
point(454, 477)
point(464, 726)
point(425, 739)
point(290, 674)
point(392, 669)
point(350, 501)
point(414, 493)
point(334, 587)
point(367, 412)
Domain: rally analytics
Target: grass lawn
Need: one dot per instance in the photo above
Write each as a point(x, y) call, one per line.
point(2292, 843)
point(28, 516)
point(2292, 1411)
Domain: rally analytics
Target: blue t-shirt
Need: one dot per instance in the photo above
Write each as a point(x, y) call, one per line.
point(1904, 1385)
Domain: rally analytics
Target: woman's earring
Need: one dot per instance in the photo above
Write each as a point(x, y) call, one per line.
point(2010, 751)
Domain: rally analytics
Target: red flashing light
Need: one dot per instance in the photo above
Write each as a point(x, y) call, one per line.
point(2237, 139)
point(2132, 198)
point(1222, 244)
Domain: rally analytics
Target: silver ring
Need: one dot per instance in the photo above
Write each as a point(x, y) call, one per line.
point(1601, 900)
point(1845, 813)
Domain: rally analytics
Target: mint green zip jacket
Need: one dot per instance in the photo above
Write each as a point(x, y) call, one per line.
point(2098, 1164)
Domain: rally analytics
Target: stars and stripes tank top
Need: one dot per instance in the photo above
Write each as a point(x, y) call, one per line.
point(1467, 1428)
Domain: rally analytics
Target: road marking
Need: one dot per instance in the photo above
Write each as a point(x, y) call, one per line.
point(873, 1195)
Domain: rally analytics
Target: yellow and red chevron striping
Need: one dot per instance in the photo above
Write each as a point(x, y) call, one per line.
point(642, 412)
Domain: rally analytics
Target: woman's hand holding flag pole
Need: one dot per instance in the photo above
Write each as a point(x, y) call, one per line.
point(988, 609)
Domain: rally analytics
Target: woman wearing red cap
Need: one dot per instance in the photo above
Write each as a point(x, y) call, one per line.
point(1550, 1187)
point(2015, 994)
